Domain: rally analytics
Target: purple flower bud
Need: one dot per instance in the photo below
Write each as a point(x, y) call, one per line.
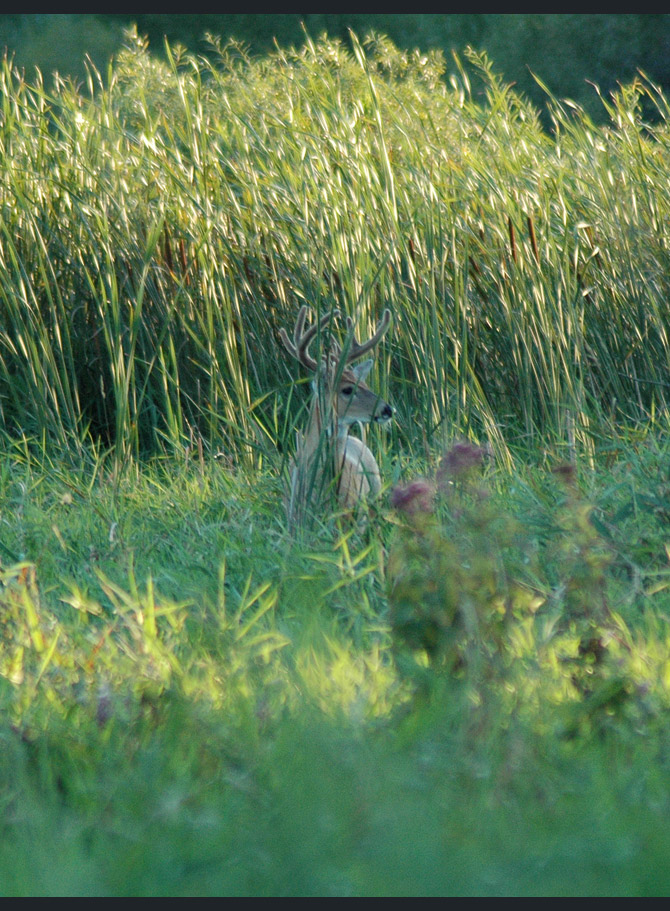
point(565, 473)
point(415, 497)
point(458, 462)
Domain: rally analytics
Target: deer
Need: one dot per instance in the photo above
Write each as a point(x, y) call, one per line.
point(326, 453)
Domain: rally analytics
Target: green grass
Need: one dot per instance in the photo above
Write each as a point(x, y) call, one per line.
point(196, 704)
point(466, 696)
point(162, 224)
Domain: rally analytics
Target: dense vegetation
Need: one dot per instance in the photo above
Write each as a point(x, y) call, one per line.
point(469, 694)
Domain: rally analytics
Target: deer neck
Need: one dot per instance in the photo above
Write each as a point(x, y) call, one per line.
point(322, 421)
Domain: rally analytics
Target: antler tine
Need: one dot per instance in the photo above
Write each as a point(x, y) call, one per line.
point(293, 346)
point(357, 349)
point(288, 344)
point(302, 339)
point(299, 326)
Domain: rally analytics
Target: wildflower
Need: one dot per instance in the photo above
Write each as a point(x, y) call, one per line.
point(458, 463)
point(415, 497)
point(565, 473)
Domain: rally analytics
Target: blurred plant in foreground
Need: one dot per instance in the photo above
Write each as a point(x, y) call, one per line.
point(463, 571)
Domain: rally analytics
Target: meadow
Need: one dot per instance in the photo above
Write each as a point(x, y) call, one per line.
point(467, 695)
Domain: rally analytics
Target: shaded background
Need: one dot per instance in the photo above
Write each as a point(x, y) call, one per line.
point(567, 51)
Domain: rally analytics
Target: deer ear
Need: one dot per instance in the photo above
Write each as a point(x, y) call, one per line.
point(360, 371)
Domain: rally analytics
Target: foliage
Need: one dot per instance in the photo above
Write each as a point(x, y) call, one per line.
point(453, 591)
point(473, 586)
point(194, 703)
point(467, 696)
point(159, 229)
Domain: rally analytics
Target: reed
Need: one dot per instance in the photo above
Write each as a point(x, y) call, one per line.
point(159, 224)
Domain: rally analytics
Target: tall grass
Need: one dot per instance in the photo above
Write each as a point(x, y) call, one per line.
point(193, 705)
point(160, 223)
point(192, 701)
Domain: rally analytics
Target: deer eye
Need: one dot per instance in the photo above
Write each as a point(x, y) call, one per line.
point(347, 390)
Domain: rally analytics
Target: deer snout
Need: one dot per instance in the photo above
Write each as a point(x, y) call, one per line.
point(385, 414)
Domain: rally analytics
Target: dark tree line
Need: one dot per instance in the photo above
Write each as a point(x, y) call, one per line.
point(567, 51)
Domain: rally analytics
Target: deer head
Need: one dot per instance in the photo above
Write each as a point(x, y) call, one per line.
point(339, 382)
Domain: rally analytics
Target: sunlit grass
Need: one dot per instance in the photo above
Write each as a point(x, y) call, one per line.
point(161, 223)
point(468, 700)
point(197, 703)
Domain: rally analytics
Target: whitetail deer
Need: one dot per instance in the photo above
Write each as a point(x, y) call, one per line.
point(326, 453)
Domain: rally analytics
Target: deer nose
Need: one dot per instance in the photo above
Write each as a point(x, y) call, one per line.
point(386, 413)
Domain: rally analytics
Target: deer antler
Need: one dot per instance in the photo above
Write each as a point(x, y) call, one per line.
point(358, 349)
point(299, 347)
